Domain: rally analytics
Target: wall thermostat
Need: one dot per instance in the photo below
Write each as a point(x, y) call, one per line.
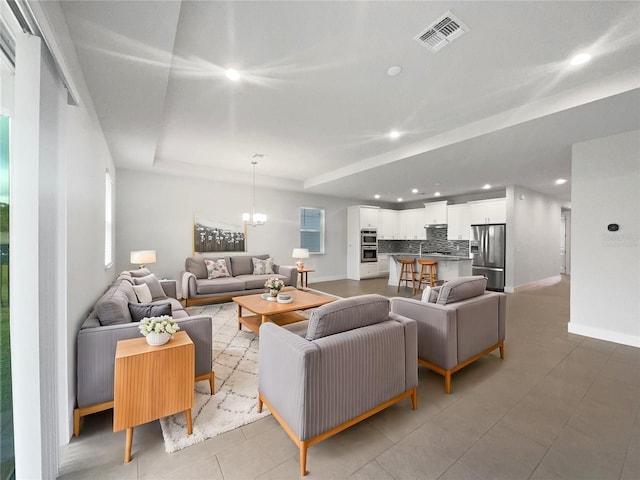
point(613, 227)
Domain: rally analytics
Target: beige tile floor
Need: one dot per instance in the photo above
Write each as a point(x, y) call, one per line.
point(559, 406)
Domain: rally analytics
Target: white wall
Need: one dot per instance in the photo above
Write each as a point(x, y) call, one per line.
point(533, 237)
point(87, 157)
point(605, 267)
point(155, 212)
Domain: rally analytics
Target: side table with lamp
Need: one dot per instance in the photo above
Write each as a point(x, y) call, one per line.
point(301, 254)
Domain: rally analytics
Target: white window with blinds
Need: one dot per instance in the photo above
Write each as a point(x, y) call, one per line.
point(312, 229)
point(108, 220)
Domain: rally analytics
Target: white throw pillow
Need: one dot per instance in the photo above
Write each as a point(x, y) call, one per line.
point(430, 295)
point(426, 293)
point(143, 293)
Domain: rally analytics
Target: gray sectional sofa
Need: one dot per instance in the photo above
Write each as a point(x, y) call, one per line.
point(111, 320)
point(197, 287)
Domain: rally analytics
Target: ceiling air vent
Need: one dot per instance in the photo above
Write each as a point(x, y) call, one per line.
point(441, 32)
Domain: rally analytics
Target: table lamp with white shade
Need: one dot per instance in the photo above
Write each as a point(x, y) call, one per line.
point(142, 257)
point(300, 254)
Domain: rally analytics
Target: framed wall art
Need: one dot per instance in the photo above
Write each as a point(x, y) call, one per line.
point(213, 236)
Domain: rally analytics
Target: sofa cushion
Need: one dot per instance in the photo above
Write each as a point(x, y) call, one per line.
point(113, 308)
point(216, 268)
point(143, 293)
point(262, 267)
point(243, 265)
point(140, 272)
point(175, 304)
point(253, 282)
point(152, 282)
point(347, 314)
point(140, 311)
point(461, 289)
point(127, 288)
point(126, 276)
point(196, 266)
point(219, 285)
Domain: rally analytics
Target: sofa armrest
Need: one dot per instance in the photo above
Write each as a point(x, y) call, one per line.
point(285, 360)
point(170, 288)
point(188, 287)
point(291, 272)
point(411, 349)
point(437, 330)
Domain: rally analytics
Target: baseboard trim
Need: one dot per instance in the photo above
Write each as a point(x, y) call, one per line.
point(602, 334)
point(329, 278)
point(545, 282)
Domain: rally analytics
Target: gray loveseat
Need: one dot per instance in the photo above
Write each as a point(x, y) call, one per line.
point(197, 287)
point(350, 360)
point(460, 323)
point(111, 321)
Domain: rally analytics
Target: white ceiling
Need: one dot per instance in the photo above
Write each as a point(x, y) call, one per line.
point(499, 105)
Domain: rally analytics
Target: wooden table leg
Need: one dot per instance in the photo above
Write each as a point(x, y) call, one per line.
point(239, 315)
point(265, 319)
point(127, 445)
point(187, 413)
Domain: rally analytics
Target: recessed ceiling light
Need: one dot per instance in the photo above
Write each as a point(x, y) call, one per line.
point(393, 134)
point(232, 74)
point(414, 190)
point(399, 199)
point(437, 194)
point(486, 186)
point(560, 181)
point(376, 196)
point(395, 70)
point(580, 59)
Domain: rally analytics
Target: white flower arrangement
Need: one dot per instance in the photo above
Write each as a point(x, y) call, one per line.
point(274, 284)
point(163, 324)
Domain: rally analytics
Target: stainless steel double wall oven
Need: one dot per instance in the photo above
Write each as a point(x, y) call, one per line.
point(368, 245)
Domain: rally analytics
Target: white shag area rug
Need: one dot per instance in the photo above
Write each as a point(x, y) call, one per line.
point(235, 365)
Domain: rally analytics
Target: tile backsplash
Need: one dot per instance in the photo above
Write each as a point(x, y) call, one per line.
point(438, 243)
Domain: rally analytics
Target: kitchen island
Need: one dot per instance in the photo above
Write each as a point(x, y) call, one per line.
point(449, 266)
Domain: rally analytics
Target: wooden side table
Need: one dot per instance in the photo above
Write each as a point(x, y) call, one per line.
point(152, 382)
point(304, 277)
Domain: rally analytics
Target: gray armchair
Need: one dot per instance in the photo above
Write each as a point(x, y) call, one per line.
point(351, 360)
point(465, 323)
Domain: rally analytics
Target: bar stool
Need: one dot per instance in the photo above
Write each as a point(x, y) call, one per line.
point(428, 272)
point(407, 272)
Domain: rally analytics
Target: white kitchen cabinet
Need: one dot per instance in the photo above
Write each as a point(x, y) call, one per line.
point(402, 225)
point(459, 221)
point(416, 224)
point(435, 213)
point(368, 270)
point(383, 264)
point(368, 217)
point(387, 224)
point(488, 211)
point(411, 224)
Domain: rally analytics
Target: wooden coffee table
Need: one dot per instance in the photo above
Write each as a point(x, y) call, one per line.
point(278, 313)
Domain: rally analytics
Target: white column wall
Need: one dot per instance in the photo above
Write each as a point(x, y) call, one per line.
point(605, 266)
point(533, 237)
point(37, 296)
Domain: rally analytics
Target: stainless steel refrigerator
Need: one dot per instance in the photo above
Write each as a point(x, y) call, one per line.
point(487, 248)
